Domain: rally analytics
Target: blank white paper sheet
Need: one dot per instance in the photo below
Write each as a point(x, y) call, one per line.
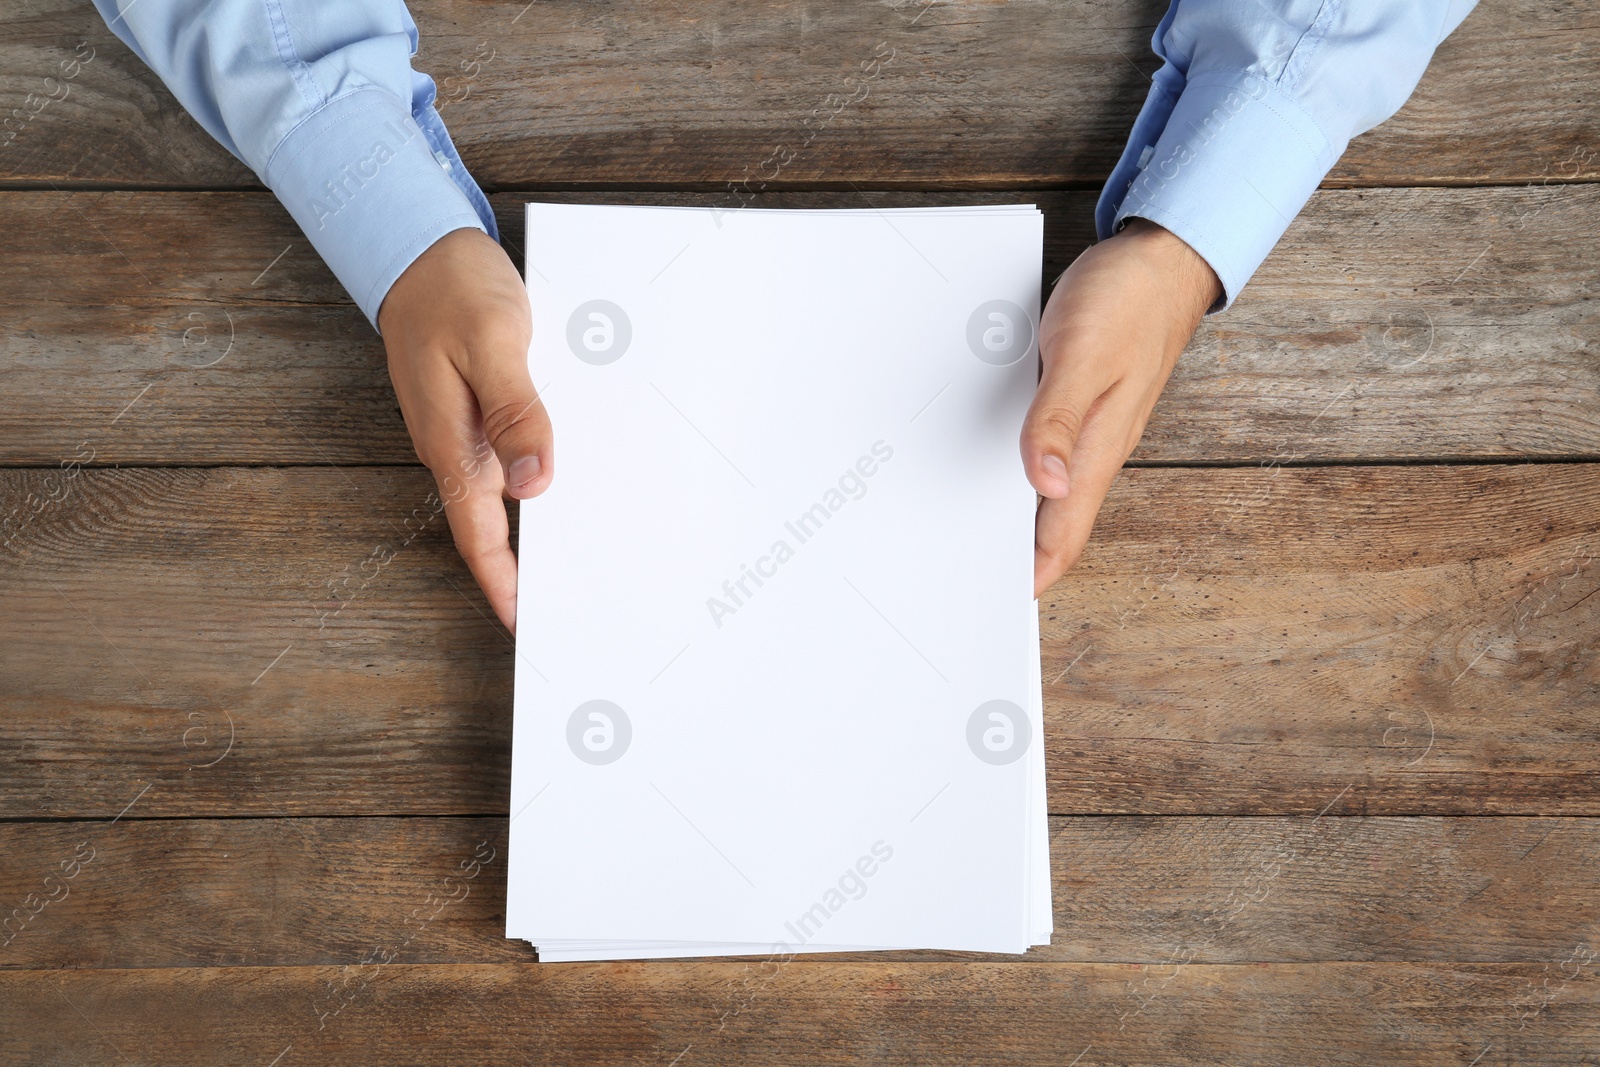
point(777, 673)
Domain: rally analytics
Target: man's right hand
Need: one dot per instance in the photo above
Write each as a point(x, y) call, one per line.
point(456, 326)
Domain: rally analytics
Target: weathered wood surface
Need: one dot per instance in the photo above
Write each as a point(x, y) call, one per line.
point(1304, 683)
point(1275, 641)
point(1348, 1014)
point(1419, 632)
point(160, 328)
point(1127, 889)
point(704, 92)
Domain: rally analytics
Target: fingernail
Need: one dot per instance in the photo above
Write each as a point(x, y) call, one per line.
point(522, 472)
point(1055, 469)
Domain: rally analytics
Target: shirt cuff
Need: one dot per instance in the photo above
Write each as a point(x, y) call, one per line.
point(370, 189)
point(1235, 162)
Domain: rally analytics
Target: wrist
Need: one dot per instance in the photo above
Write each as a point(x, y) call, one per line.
point(463, 277)
point(1191, 285)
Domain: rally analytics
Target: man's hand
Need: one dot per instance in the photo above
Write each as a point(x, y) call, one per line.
point(456, 325)
point(1109, 337)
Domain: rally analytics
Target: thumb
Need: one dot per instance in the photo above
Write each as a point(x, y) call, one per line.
point(1066, 396)
point(514, 418)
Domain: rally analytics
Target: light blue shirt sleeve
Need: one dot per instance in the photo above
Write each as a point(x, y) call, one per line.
point(319, 99)
point(1253, 105)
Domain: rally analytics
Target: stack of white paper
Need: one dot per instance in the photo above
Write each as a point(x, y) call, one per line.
point(777, 684)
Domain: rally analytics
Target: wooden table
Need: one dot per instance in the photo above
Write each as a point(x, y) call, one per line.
point(1322, 700)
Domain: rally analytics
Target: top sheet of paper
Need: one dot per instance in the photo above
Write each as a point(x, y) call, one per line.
point(775, 645)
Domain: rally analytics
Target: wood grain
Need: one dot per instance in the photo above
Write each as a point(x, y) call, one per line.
point(1128, 889)
point(255, 705)
point(1391, 324)
point(1362, 640)
point(1347, 1014)
point(1419, 632)
point(706, 92)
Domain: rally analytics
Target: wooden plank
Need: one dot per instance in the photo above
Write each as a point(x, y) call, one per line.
point(1027, 93)
point(1395, 324)
point(1417, 632)
point(1415, 324)
point(1362, 640)
point(1128, 889)
point(905, 1013)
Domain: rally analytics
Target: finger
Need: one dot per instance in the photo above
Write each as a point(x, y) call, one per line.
point(1061, 407)
point(513, 417)
point(444, 427)
point(478, 525)
point(1108, 435)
